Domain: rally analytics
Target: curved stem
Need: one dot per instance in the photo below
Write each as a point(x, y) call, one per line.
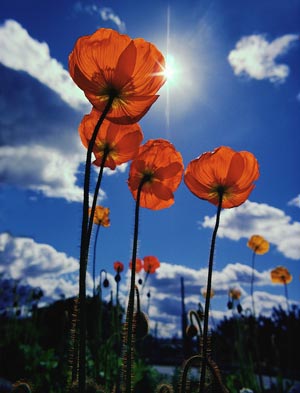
point(252, 282)
point(94, 260)
point(130, 308)
point(84, 252)
point(194, 314)
point(208, 290)
point(147, 274)
point(95, 197)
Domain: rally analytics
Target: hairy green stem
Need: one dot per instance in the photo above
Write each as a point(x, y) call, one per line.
point(208, 290)
point(84, 246)
point(94, 260)
point(130, 310)
point(252, 282)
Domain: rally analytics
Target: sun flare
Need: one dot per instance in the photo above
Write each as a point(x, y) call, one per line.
point(171, 69)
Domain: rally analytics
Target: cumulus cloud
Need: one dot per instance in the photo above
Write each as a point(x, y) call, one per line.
point(259, 218)
point(106, 14)
point(295, 201)
point(39, 265)
point(165, 290)
point(39, 144)
point(255, 57)
point(21, 52)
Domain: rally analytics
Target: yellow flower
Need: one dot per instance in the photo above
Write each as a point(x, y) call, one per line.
point(101, 216)
point(258, 244)
point(280, 275)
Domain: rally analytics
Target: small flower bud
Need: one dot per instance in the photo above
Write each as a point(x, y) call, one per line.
point(239, 308)
point(191, 331)
point(140, 281)
point(230, 305)
point(105, 283)
point(117, 277)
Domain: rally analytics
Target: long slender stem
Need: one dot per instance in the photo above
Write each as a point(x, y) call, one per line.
point(130, 309)
point(84, 252)
point(207, 298)
point(94, 260)
point(286, 297)
point(252, 282)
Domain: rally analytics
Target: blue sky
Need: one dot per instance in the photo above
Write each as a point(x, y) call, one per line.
point(236, 84)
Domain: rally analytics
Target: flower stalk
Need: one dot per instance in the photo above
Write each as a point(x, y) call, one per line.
point(208, 289)
point(84, 247)
point(130, 309)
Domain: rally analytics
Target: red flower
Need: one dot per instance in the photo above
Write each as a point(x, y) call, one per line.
point(138, 265)
point(159, 167)
point(118, 266)
point(222, 172)
point(108, 65)
point(119, 142)
point(151, 263)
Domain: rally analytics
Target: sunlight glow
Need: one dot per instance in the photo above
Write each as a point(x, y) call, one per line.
point(171, 70)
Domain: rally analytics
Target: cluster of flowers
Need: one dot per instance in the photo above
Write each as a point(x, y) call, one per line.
point(120, 77)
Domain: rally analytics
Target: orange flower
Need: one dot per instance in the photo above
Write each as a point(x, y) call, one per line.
point(151, 263)
point(223, 171)
point(159, 168)
point(120, 142)
point(235, 293)
point(118, 266)
point(138, 265)
point(258, 244)
point(108, 65)
point(280, 275)
point(101, 216)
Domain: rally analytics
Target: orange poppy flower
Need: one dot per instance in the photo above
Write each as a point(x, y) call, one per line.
point(235, 293)
point(151, 263)
point(108, 65)
point(118, 266)
point(222, 171)
point(120, 142)
point(280, 275)
point(159, 167)
point(258, 244)
point(138, 265)
point(101, 216)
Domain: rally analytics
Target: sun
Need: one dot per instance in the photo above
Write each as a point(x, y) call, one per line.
point(171, 69)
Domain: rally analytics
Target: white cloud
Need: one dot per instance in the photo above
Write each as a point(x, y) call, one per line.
point(21, 52)
point(165, 290)
point(106, 14)
point(39, 265)
point(259, 218)
point(295, 201)
point(40, 169)
point(256, 57)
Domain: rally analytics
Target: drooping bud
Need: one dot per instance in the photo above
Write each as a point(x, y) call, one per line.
point(191, 331)
point(142, 325)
